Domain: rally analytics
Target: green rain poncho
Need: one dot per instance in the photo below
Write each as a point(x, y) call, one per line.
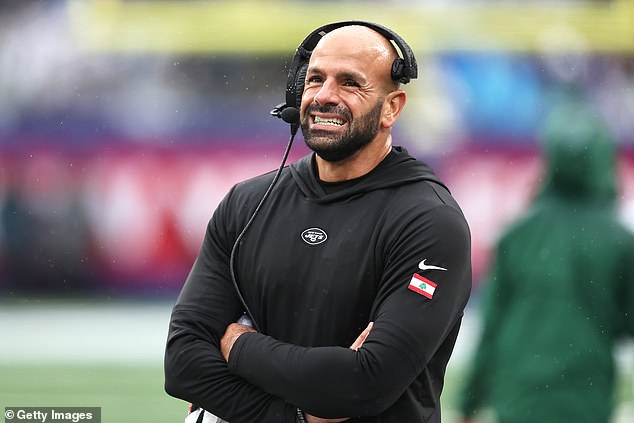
point(561, 290)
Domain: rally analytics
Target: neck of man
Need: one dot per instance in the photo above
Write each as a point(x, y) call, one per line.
point(358, 164)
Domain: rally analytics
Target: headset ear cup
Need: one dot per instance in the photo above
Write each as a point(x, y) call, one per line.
point(398, 71)
point(300, 81)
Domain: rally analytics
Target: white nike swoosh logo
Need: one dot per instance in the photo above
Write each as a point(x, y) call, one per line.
point(423, 266)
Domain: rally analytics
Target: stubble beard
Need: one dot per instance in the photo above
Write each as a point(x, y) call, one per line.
point(334, 147)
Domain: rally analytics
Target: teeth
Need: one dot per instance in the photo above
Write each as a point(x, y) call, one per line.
point(330, 121)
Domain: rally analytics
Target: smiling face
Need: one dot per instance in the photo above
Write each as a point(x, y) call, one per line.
point(347, 92)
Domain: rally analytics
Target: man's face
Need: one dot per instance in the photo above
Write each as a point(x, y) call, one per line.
point(343, 99)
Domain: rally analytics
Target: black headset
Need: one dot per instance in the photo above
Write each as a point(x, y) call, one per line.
point(404, 68)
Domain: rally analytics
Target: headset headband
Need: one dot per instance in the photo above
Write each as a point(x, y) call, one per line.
point(404, 68)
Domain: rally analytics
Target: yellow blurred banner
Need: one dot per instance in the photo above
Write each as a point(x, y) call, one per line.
point(276, 27)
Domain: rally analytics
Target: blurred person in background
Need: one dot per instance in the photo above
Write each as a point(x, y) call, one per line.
point(358, 232)
point(46, 239)
point(561, 290)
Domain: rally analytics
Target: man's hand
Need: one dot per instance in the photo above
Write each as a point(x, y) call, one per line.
point(361, 338)
point(355, 346)
point(313, 419)
point(233, 332)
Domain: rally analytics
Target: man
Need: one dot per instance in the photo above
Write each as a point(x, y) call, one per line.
point(357, 232)
point(561, 292)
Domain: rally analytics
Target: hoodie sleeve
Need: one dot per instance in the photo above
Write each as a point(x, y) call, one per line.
point(412, 333)
point(195, 370)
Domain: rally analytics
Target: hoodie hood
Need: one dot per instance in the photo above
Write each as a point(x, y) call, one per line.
point(398, 168)
point(579, 157)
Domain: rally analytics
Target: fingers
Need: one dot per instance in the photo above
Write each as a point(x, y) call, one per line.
point(313, 419)
point(233, 331)
point(361, 338)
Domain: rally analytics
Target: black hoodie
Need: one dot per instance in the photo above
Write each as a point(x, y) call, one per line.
point(319, 262)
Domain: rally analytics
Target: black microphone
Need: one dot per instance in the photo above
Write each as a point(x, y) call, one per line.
point(286, 113)
point(290, 115)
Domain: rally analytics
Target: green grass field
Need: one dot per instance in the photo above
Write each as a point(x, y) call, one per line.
point(125, 393)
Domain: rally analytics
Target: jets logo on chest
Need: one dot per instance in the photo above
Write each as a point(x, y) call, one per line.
point(314, 236)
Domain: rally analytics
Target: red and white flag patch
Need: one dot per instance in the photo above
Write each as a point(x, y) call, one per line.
point(422, 285)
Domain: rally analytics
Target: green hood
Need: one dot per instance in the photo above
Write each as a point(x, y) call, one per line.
point(579, 157)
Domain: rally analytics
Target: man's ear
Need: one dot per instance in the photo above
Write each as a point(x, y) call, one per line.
point(394, 104)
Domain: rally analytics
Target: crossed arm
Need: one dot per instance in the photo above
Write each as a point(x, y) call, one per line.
point(234, 330)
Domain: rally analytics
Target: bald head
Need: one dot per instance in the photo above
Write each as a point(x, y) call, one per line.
point(364, 43)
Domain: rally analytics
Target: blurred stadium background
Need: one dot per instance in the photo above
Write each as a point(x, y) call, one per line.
point(123, 124)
